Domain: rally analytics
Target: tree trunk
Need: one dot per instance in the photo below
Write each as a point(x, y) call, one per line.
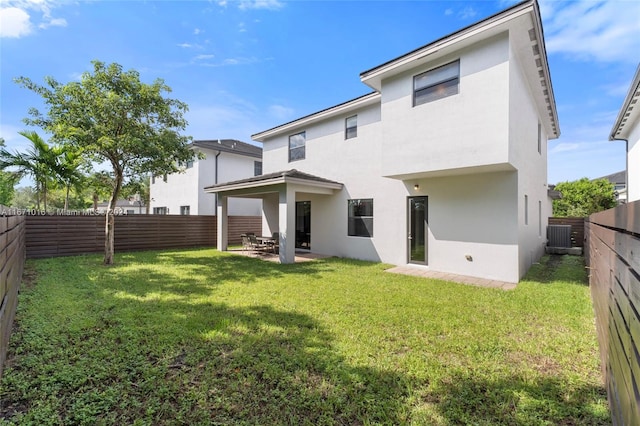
point(95, 201)
point(44, 195)
point(109, 229)
point(66, 199)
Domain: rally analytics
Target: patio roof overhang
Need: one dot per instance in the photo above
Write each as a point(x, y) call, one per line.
point(272, 181)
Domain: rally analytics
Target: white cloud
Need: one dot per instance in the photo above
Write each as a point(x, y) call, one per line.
point(467, 13)
point(564, 147)
point(280, 112)
point(14, 22)
point(448, 12)
point(203, 57)
point(185, 45)
point(16, 19)
point(604, 31)
point(197, 31)
point(55, 22)
point(260, 4)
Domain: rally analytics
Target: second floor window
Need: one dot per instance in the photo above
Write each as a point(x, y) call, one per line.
point(257, 168)
point(437, 83)
point(297, 146)
point(351, 127)
point(185, 210)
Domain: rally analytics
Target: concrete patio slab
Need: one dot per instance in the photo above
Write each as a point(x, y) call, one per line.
point(462, 279)
point(301, 256)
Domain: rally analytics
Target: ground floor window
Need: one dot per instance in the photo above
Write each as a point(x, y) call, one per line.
point(185, 210)
point(360, 217)
point(160, 210)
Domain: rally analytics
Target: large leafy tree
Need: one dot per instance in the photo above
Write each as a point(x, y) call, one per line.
point(113, 117)
point(40, 161)
point(582, 197)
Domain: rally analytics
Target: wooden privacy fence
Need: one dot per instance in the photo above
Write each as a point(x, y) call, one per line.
point(52, 236)
point(12, 255)
point(577, 228)
point(613, 256)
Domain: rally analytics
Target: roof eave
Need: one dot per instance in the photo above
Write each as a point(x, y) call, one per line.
point(270, 182)
point(618, 127)
point(373, 77)
point(343, 108)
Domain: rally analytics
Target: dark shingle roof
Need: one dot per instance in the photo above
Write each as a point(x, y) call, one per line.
point(230, 145)
point(618, 177)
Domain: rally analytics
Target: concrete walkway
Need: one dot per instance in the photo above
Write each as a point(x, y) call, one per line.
point(462, 279)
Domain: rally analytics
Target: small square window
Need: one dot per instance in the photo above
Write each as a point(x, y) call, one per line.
point(351, 127)
point(185, 210)
point(436, 84)
point(297, 144)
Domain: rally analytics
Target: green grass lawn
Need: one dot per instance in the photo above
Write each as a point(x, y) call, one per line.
point(202, 337)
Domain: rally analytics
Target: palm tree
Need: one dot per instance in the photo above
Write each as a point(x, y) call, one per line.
point(68, 171)
point(40, 162)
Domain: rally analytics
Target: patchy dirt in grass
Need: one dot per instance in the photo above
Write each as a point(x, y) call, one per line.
point(544, 365)
point(29, 277)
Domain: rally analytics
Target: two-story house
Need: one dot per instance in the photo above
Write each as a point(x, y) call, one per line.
point(627, 128)
point(223, 160)
point(443, 165)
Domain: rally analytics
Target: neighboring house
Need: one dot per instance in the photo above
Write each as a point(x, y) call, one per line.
point(224, 160)
point(619, 181)
point(132, 206)
point(627, 128)
point(443, 165)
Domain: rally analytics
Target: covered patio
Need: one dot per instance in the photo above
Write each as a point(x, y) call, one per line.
point(279, 192)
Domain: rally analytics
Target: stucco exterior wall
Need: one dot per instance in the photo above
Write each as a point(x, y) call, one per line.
point(633, 164)
point(474, 155)
point(531, 165)
point(465, 130)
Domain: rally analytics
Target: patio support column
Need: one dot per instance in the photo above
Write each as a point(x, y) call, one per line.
point(287, 225)
point(223, 223)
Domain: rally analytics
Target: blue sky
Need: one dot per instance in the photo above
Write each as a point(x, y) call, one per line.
point(246, 66)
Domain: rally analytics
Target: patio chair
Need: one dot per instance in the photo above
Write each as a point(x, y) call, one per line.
point(276, 242)
point(246, 243)
point(255, 245)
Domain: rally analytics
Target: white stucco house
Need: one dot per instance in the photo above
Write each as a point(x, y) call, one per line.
point(224, 160)
point(442, 166)
point(627, 128)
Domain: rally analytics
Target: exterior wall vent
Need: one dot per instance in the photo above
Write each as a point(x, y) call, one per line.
point(559, 236)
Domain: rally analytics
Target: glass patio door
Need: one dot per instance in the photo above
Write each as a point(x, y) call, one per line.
point(417, 217)
point(303, 225)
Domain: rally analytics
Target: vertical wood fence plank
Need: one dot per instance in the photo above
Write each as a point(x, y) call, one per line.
point(12, 256)
point(613, 257)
